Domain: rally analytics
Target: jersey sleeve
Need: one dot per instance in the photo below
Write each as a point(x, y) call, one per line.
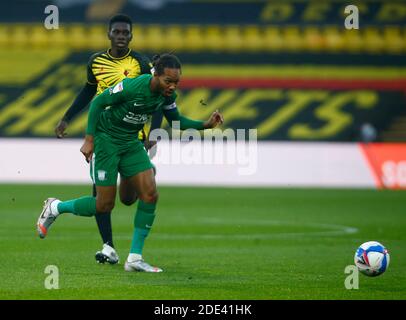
point(91, 79)
point(171, 113)
point(110, 97)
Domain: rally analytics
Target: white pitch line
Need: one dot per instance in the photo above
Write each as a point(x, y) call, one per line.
point(332, 230)
point(336, 230)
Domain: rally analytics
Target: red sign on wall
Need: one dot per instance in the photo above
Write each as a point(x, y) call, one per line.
point(388, 164)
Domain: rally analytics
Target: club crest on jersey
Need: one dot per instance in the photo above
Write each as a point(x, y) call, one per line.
point(101, 175)
point(117, 88)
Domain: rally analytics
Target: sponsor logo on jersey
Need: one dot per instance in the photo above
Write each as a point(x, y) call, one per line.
point(135, 118)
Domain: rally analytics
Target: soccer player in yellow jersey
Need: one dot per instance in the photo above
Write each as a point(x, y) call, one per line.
point(106, 69)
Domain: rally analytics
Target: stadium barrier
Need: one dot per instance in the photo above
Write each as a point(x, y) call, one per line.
point(388, 39)
point(266, 164)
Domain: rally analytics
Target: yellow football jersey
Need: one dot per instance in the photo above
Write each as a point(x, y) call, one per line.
point(105, 71)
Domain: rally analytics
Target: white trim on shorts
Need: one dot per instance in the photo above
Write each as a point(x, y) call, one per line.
point(92, 168)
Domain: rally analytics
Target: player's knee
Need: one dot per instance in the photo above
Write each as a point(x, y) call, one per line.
point(150, 196)
point(105, 205)
point(128, 201)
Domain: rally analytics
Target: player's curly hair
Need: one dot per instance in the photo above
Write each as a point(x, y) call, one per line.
point(120, 18)
point(165, 60)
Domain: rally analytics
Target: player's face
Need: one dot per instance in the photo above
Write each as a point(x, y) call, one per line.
point(168, 81)
point(120, 35)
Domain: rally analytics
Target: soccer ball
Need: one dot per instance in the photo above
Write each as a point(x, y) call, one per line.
point(372, 258)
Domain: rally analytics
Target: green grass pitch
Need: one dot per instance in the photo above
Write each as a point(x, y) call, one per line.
point(213, 243)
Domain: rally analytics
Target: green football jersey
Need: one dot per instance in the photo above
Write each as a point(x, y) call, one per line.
point(126, 107)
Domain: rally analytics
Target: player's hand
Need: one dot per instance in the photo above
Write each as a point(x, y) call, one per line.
point(149, 144)
point(87, 148)
point(60, 129)
point(215, 119)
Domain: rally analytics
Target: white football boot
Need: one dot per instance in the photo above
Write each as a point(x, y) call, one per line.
point(47, 216)
point(138, 264)
point(107, 254)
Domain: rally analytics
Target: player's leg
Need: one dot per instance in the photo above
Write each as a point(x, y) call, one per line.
point(103, 170)
point(106, 197)
point(85, 206)
point(144, 185)
point(107, 253)
point(104, 224)
point(128, 194)
point(137, 178)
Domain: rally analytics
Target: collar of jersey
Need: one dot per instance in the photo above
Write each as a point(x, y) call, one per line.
point(124, 56)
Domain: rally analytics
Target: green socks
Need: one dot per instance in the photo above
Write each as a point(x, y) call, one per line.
point(85, 206)
point(144, 218)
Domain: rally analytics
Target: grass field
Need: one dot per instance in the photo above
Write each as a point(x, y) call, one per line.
point(212, 243)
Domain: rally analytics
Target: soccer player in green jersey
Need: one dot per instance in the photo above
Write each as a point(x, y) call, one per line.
point(106, 69)
point(114, 118)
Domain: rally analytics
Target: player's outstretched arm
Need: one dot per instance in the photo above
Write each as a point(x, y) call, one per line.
point(215, 119)
point(82, 100)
